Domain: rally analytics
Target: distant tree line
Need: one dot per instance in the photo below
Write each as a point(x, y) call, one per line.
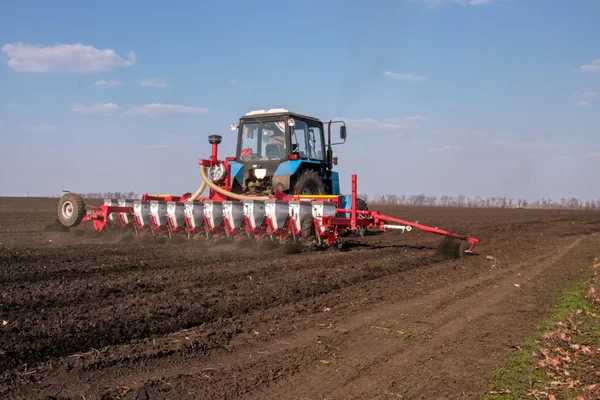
point(483, 202)
point(109, 195)
point(423, 200)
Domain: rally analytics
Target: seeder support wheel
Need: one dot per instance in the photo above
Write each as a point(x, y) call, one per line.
point(71, 210)
point(452, 247)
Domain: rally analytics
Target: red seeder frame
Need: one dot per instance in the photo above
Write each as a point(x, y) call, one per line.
point(334, 226)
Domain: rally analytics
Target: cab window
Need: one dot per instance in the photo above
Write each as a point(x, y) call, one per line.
point(299, 139)
point(316, 150)
point(263, 141)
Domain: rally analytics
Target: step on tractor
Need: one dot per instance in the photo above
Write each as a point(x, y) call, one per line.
point(280, 186)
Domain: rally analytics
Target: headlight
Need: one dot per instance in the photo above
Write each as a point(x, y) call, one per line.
point(260, 173)
point(217, 172)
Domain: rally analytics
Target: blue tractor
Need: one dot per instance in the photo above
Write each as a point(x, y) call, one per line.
point(285, 151)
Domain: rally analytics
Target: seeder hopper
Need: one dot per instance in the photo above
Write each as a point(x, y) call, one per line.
point(280, 187)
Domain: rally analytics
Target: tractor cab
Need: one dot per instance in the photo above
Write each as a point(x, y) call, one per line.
point(281, 150)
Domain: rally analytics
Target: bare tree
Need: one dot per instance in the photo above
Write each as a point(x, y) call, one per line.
point(490, 202)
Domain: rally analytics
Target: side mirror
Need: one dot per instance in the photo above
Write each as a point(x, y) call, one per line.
point(335, 160)
point(343, 132)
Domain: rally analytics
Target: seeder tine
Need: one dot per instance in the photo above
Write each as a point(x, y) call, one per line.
point(323, 209)
point(158, 214)
point(233, 214)
point(298, 211)
point(141, 211)
point(176, 216)
point(126, 218)
point(112, 217)
point(277, 211)
point(194, 216)
point(213, 213)
point(254, 211)
point(277, 215)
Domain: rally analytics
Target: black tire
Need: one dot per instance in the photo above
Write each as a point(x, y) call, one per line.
point(308, 235)
point(452, 247)
point(71, 210)
point(361, 205)
point(462, 248)
point(309, 181)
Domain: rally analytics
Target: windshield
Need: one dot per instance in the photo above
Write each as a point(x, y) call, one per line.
point(263, 141)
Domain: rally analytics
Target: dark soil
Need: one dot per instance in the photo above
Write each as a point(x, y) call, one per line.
point(116, 316)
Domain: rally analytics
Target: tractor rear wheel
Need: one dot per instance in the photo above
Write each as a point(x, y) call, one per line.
point(71, 210)
point(309, 182)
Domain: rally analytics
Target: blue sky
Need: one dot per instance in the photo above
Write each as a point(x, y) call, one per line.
point(475, 97)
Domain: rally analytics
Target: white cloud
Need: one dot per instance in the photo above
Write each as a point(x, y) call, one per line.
point(38, 128)
point(10, 106)
point(153, 83)
point(107, 83)
point(146, 109)
point(406, 77)
point(593, 154)
point(162, 146)
point(64, 57)
point(594, 66)
point(385, 125)
point(434, 3)
point(410, 118)
point(590, 95)
point(520, 143)
point(98, 108)
point(444, 148)
point(462, 132)
point(165, 109)
point(586, 97)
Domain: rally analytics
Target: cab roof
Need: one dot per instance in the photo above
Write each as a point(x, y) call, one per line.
point(277, 111)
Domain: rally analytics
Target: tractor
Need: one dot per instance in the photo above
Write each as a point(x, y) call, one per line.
point(284, 151)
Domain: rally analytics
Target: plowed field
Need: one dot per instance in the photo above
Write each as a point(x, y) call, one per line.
point(85, 317)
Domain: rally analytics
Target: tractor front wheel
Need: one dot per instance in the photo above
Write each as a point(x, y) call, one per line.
point(361, 205)
point(309, 183)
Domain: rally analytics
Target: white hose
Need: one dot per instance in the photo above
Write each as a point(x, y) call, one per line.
point(225, 192)
point(199, 191)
